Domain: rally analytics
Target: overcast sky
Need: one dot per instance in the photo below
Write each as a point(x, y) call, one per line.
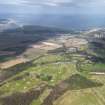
point(53, 6)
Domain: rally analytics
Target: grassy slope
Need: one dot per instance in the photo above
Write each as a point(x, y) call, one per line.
point(91, 96)
point(59, 72)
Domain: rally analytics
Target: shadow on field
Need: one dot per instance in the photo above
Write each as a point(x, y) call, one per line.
point(19, 39)
point(7, 73)
point(23, 98)
point(75, 82)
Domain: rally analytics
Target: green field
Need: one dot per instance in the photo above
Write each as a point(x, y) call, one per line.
point(56, 77)
point(73, 74)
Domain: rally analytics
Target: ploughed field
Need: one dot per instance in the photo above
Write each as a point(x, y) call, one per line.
point(52, 79)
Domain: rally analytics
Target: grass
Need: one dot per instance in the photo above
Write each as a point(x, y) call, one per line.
point(6, 58)
point(19, 85)
point(58, 72)
point(90, 96)
point(48, 66)
point(77, 98)
point(39, 101)
point(98, 67)
point(49, 58)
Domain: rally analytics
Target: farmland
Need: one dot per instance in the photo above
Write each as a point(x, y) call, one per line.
point(57, 70)
point(78, 89)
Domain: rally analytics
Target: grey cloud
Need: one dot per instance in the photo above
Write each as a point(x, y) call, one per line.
point(63, 3)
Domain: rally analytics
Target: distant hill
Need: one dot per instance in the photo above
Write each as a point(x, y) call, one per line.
point(16, 38)
point(8, 25)
point(96, 40)
point(42, 29)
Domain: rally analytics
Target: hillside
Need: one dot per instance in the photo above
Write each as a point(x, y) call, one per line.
point(15, 39)
point(55, 68)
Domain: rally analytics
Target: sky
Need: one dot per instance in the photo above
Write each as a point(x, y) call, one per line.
point(53, 6)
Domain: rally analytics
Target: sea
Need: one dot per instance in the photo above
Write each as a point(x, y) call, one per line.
point(64, 21)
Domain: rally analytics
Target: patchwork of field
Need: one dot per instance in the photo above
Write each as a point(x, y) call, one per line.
point(52, 79)
point(90, 96)
point(50, 72)
point(11, 63)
